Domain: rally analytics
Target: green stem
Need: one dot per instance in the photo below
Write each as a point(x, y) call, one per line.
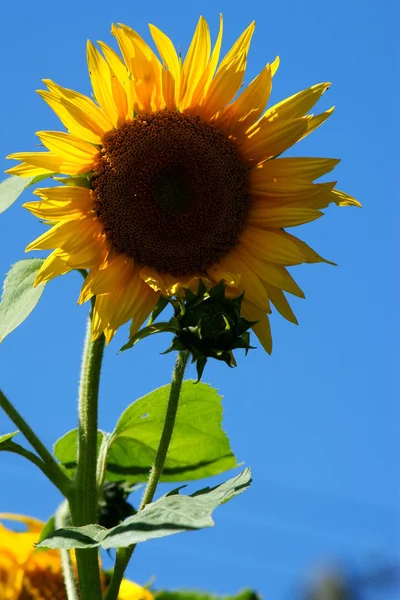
point(83, 500)
point(52, 476)
point(53, 469)
point(169, 423)
point(62, 519)
point(124, 554)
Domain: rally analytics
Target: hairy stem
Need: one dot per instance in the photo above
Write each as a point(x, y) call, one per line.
point(124, 554)
point(83, 500)
point(62, 519)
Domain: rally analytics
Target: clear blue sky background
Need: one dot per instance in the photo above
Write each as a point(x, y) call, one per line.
point(318, 421)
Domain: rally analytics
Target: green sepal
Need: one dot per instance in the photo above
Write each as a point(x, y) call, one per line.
point(202, 289)
point(157, 310)
point(218, 291)
point(162, 327)
point(200, 364)
point(76, 180)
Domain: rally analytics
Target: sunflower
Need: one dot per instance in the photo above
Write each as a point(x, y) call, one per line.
point(26, 574)
point(173, 176)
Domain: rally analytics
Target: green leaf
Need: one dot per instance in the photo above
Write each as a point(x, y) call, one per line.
point(47, 530)
point(7, 437)
point(66, 449)
point(199, 448)
point(19, 296)
point(191, 595)
point(172, 513)
point(12, 187)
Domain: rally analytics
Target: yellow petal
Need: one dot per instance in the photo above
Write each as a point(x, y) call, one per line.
point(52, 267)
point(244, 111)
point(275, 65)
point(81, 242)
point(343, 199)
point(24, 170)
point(242, 44)
point(51, 162)
point(195, 62)
point(297, 105)
point(293, 168)
point(83, 117)
point(100, 76)
point(271, 139)
point(68, 146)
point(208, 73)
point(286, 190)
point(278, 217)
point(275, 275)
point(132, 591)
point(146, 301)
point(316, 121)
point(64, 193)
point(146, 71)
point(123, 98)
point(114, 274)
point(61, 203)
point(277, 247)
point(171, 62)
point(280, 302)
point(224, 86)
point(169, 284)
point(115, 308)
point(249, 282)
point(262, 329)
point(33, 525)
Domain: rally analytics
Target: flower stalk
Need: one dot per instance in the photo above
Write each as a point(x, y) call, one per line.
point(124, 554)
point(84, 497)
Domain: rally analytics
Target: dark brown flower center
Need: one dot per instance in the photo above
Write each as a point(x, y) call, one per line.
point(171, 192)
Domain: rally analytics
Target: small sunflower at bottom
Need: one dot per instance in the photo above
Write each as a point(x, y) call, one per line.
point(29, 574)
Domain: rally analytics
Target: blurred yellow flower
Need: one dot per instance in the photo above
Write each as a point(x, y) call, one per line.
point(29, 574)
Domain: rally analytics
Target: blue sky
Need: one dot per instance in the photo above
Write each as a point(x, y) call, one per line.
point(318, 421)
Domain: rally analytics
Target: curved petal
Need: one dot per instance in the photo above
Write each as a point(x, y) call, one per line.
point(273, 274)
point(297, 105)
point(123, 93)
point(53, 266)
point(278, 247)
point(293, 168)
point(101, 78)
point(277, 217)
point(223, 87)
point(247, 108)
point(80, 115)
point(171, 83)
point(50, 162)
point(253, 289)
point(281, 304)
point(262, 329)
point(242, 44)
point(270, 139)
point(68, 146)
point(208, 74)
point(195, 62)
